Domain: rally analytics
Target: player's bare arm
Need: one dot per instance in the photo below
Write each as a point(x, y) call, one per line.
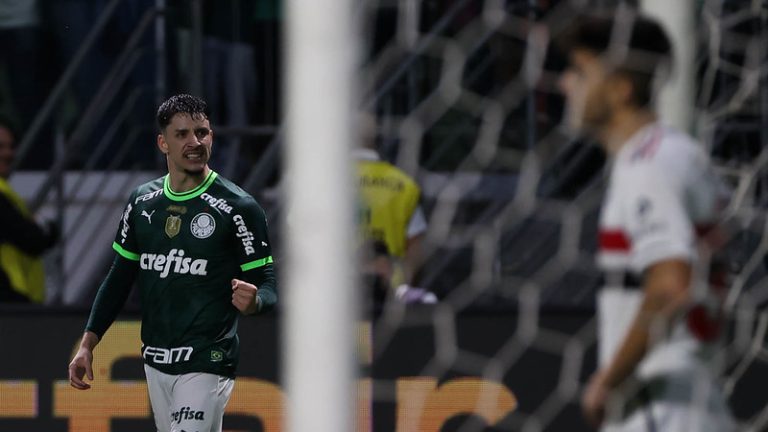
point(81, 365)
point(413, 257)
point(665, 296)
point(244, 297)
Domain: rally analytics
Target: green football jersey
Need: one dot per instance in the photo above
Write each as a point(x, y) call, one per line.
point(189, 246)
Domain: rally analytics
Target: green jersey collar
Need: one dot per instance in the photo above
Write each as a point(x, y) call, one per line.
point(194, 193)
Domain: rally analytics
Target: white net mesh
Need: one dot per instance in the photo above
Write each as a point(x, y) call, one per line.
point(466, 97)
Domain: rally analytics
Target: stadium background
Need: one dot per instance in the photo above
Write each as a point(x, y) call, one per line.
point(35, 394)
point(511, 218)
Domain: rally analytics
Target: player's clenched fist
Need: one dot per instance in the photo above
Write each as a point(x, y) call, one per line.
point(244, 297)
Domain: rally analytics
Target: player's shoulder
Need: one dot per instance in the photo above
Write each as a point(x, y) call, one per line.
point(677, 146)
point(147, 190)
point(660, 150)
point(151, 185)
point(223, 188)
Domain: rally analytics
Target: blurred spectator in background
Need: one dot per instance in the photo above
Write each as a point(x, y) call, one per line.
point(23, 61)
point(389, 208)
point(228, 71)
point(22, 240)
point(377, 273)
point(70, 23)
point(268, 16)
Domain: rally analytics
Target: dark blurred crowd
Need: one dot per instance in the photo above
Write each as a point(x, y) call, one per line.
point(126, 66)
point(79, 86)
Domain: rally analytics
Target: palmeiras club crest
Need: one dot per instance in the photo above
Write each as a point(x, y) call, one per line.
point(202, 225)
point(172, 226)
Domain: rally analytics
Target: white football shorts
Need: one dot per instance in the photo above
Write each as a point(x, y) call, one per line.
point(191, 402)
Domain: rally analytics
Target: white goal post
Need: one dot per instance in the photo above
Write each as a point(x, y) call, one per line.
point(467, 101)
point(678, 96)
point(319, 300)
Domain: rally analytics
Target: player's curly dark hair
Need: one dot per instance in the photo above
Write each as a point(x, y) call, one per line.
point(636, 45)
point(181, 103)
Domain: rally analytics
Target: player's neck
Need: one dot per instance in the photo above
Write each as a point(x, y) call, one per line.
point(622, 126)
point(182, 181)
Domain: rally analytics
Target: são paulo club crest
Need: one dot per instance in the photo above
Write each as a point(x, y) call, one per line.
point(202, 225)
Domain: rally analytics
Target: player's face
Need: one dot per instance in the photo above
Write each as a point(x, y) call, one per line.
point(585, 86)
point(6, 152)
point(187, 142)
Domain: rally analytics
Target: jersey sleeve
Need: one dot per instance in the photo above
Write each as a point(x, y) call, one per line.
point(125, 239)
point(111, 295)
point(656, 218)
point(117, 284)
point(251, 240)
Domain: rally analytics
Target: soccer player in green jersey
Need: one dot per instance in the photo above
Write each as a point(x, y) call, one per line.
point(198, 246)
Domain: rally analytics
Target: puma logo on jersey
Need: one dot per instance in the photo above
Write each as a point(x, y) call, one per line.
point(245, 236)
point(148, 215)
point(263, 243)
point(175, 261)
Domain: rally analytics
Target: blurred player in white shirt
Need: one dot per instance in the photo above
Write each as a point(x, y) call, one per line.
point(656, 339)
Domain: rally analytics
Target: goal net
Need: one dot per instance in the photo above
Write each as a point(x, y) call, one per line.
point(466, 101)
